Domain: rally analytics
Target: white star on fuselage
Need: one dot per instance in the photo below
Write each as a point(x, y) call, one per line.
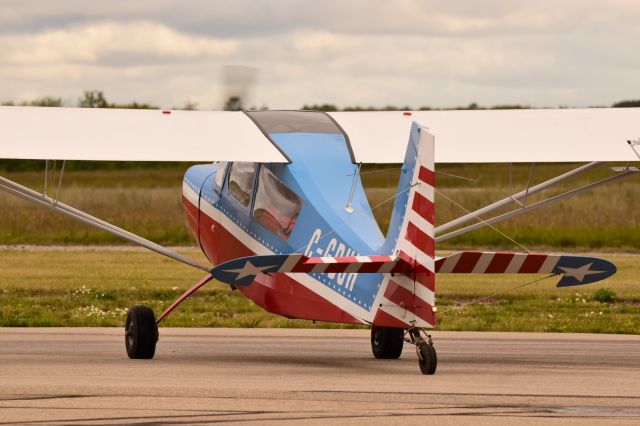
point(248, 269)
point(581, 272)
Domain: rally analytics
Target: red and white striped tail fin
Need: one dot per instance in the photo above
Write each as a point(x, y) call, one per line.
point(409, 299)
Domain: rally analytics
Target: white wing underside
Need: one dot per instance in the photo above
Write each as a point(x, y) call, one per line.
point(498, 136)
point(546, 135)
point(132, 135)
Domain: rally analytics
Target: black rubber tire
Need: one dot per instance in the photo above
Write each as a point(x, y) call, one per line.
point(140, 333)
point(387, 342)
point(427, 359)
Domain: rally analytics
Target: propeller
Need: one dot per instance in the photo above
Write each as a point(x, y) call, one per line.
point(238, 81)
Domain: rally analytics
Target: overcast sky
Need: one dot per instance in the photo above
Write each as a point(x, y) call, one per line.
point(346, 52)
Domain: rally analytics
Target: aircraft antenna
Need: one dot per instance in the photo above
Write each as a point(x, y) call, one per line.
point(393, 197)
point(356, 173)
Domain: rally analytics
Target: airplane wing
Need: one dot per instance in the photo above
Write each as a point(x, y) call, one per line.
point(132, 135)
point(476, 136)
point(494, 136)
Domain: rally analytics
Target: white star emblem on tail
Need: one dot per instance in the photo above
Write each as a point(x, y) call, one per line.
point(248, 270)
point(581, 272)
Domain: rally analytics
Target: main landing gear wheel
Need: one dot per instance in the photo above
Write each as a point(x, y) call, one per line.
point(427, 356)
point(386, 342)
point(141, 333)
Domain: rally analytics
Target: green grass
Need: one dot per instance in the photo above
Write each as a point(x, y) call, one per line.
point(51, 287)
point(541, 306)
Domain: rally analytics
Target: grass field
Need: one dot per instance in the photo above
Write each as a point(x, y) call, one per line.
point(147, 202)
point(94, 287)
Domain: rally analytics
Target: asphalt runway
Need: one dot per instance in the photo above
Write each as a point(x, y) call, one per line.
point(313, 376)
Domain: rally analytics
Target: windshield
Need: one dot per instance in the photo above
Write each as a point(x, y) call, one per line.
point(272, 122)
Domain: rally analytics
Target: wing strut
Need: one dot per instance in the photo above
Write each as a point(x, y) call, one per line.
point(516, 197)
point(46, 201)
point(622, 174)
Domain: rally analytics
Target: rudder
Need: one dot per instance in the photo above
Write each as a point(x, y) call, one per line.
point(410, 298)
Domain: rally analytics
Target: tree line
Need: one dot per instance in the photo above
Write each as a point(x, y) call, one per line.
point(97, 99)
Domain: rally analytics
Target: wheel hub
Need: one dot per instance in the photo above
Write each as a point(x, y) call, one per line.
point(130, 334)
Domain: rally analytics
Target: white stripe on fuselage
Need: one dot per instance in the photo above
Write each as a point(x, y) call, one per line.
point(259, 249)
point(190, 194)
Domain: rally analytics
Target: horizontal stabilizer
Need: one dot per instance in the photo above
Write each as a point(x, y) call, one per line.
point(243, 270)
point(575, 270)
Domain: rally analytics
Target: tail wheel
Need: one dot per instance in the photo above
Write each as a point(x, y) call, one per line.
point(141, 333)
point(386, 342)
point(427, 358)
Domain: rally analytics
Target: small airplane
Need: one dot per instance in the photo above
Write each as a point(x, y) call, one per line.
point(282, 216)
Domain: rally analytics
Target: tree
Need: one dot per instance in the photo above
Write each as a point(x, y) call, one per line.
point(320, 107)
point(234, 103)
point(47, 101)
point(189, 106)
point(510, 106)
point(133, 105)
point(96, 99)
point(627, 104)
point(93, 99)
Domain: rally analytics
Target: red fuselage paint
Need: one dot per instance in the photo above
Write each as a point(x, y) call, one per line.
point(278, 293)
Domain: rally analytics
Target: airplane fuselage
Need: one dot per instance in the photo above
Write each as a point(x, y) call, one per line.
point(245, 209)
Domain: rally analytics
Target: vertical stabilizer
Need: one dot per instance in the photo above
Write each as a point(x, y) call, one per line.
point(410, 299)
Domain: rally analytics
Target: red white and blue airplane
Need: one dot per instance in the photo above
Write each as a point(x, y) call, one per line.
point(283, 217)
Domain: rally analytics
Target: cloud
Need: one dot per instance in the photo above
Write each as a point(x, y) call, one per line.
point(94, 42)
point(366, 52)
point(248, 18)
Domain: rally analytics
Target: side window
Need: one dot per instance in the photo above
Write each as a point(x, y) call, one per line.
point(221, 171)
point(276, 207)
point(241, 181)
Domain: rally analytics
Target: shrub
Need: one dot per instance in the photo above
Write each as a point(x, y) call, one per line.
point(604, 295)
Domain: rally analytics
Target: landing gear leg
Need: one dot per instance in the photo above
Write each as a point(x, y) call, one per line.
point(141, 329)
point(427, 357)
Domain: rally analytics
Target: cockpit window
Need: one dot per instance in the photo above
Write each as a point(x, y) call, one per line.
point(241, 181)
point(277, 207)
point(221, 171)
point(272, 122)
